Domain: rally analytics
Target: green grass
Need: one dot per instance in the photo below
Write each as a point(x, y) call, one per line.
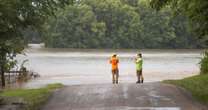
point(33, 97)
point(197, 85)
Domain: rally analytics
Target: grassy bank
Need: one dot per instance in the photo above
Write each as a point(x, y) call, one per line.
point(197, 85)
point(31, 98)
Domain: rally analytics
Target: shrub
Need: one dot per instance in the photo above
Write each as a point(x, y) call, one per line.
point(204, 63)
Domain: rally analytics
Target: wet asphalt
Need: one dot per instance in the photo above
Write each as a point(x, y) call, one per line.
point(147, 96)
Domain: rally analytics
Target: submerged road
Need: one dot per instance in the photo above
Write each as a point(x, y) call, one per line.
point(148, 96)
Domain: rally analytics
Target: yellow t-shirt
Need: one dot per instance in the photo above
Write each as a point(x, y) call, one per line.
point(139, 63)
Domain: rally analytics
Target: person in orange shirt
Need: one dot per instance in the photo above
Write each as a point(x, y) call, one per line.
point(115, 72)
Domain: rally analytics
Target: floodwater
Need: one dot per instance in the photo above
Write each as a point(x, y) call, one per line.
point(78, 67)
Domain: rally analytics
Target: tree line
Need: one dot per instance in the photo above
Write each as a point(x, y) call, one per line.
point(118, 24)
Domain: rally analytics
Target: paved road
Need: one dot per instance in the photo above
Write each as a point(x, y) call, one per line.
point(149, 96)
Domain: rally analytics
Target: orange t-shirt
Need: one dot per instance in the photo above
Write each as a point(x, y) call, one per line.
point(114, 62)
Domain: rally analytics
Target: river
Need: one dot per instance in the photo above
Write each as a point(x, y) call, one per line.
point(91, 66)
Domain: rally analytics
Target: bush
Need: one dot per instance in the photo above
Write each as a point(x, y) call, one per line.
point(204, 64)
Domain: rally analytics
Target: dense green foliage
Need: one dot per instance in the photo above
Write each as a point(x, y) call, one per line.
point(197, 85)
point(204, 64)
point(31, 36)
point(118, 24)
point(15, 17)
point(195, 10)
point(33, 98)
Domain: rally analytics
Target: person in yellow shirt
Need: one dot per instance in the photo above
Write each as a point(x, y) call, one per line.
point(139, 63)
point(115, 71)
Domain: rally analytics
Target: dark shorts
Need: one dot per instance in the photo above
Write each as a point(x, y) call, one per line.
point(115, 71)
point(139, 72)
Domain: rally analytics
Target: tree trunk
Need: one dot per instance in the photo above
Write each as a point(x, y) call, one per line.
point(2, 69)
point(2, 77)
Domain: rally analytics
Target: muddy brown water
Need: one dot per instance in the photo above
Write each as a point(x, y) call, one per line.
point(91, 66)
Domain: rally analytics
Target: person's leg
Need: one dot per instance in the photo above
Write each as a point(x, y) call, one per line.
point(113, 76)
point(142, 77)
point(117, 75)
point(138, 77)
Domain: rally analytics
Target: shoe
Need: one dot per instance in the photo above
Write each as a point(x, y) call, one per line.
point(142, 81)
point(138, 82)
point(116, 82)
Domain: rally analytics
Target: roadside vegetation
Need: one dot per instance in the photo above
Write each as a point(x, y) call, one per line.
point(204, 64)
point(29, 99)
point(197, 85)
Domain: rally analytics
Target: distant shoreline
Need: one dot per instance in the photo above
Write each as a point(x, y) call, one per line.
point(42, 45)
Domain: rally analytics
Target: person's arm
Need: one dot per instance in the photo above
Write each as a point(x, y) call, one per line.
point(136, 60)
point(110, 61)
point(142, 60)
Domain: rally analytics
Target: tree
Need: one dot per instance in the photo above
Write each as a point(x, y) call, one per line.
point(118, 24)
point(76, 26)
point(195, 10)
point(157, 29)
point(31, 36)
point(15, 16)
point(95, 24)
point(123, 26)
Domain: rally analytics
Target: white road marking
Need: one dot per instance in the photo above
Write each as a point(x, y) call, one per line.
point(153, 108)
point(130, 108)
point(125, 93)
